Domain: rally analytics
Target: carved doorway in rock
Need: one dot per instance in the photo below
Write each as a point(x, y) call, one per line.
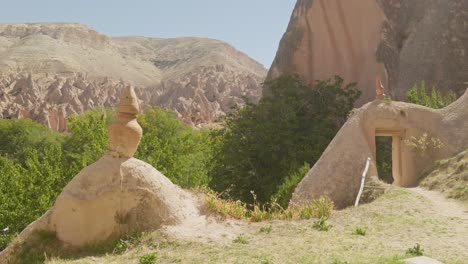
point(388, 155)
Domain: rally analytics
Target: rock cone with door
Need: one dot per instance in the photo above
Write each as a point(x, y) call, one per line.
point(420, 136)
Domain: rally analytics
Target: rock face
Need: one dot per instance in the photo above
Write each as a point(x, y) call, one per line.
point(116, 196)
point(338, 171)
point(125, 133)
point(51, 70)
point(401, 42)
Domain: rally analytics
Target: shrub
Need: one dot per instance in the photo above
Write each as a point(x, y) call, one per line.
point(262, 144)
point(286, 189)
point(266, 229)
point(360, 231)
point(436, 100)
point(323, 207)
point(321, 224)
point(121, 246)
point(241, 239)
point(415, 251)
point(151, 258)
point(425, 144)
point(180, 152)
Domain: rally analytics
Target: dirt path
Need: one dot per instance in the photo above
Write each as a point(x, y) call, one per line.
point(442, 205)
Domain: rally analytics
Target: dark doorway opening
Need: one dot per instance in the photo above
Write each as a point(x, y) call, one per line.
point(383, 147)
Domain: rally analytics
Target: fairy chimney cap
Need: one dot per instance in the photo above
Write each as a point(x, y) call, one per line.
point(128, 101)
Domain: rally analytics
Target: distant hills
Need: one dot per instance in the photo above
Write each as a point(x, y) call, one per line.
point(51, 70)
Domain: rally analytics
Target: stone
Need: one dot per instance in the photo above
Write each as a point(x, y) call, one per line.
point(125, 133)
point(422, 260)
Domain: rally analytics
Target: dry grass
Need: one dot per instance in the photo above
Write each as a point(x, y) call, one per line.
point(395, 222)
point(450, 176)
point(319, 208)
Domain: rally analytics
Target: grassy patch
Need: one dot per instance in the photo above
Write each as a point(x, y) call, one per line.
point(360, 231)
point(44, 245)
point(241, 239)
point(321, 224)
point(151, 258)
point(266, 229)
point(449, 176)
point(394, 223)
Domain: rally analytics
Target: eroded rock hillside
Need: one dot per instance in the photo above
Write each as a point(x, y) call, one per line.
point(401, 42)
point(51, 70)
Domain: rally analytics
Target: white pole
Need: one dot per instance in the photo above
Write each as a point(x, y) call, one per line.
point(363, 179)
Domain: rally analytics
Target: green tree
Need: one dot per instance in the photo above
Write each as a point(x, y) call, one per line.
point(87, 139)
point(262, 144)
point(180, 152)
point(28, 190)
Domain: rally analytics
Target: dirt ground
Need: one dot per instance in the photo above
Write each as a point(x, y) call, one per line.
point(398, 220)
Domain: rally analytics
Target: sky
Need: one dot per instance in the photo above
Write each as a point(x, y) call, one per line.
point(252, 26)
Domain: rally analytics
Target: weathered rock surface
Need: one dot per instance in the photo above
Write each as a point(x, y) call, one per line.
point(117, 195)
point(421, 260)
point(338, 171)
point(75, 68)
point(402, 42)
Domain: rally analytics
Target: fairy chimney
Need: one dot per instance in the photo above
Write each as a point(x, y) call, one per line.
point(125, 133)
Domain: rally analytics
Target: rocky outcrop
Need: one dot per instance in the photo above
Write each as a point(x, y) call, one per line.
point(116, 196)
point(416, 133)
point(202, 97)
point(74, 68)
point(425, 40)
point(401, 42)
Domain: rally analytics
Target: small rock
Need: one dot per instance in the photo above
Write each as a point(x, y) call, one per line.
point(422, 260)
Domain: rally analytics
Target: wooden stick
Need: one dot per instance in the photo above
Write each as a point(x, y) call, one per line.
point(363, 179)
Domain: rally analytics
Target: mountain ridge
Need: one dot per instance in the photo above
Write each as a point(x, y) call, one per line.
point(200, 78)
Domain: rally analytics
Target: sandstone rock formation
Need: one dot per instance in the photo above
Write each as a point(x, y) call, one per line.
point(338, 171)
point(74, 68)
point(402, 42)
point(118, 194)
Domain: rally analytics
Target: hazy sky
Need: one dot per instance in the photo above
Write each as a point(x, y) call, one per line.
point(252, 26)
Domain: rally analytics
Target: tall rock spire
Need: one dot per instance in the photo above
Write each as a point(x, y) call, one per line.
point(125, 133)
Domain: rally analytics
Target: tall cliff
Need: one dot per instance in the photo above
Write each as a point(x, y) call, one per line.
point(51, 70)
point(401, 42)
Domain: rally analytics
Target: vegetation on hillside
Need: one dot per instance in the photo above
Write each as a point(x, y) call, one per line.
point(436, 100)
point(449, 176)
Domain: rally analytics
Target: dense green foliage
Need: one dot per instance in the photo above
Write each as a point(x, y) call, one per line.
point(36, 163)
point(436, 100)
point(286, 189)
point(262, 144)
point(180, 152)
